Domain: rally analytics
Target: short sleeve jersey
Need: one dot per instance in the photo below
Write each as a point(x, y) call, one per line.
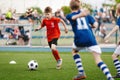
point(52, 27)
point(83, 35)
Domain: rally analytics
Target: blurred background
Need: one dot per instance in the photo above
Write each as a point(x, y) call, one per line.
point(17, 29)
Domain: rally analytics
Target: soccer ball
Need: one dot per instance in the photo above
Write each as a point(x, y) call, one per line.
point(32, 65)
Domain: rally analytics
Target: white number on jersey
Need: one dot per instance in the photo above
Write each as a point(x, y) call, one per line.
point(82, 23)
point(52, 24)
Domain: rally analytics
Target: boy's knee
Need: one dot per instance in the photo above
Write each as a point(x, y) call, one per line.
point(114, 56)
point(53, 49)
point(74, 51)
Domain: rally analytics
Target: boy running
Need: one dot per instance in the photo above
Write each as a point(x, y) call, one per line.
point(84, 38)
point(116, 53)
point(53, 33)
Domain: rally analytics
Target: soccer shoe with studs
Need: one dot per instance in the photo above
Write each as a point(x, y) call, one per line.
point(110, 78)
point(117, 76)
point(59, 63)
point(79, 77)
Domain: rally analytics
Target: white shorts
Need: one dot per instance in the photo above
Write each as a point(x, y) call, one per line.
point(117, 50)
point(94, 48)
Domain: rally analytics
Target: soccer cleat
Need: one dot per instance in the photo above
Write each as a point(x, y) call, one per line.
point(117, 76)
point(80, 77)
point(59, 63)
point(110, 78)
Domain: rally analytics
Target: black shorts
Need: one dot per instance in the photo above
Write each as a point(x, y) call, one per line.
point(54, 41)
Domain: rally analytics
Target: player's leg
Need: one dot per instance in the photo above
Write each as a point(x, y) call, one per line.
point(78, 61)
point(54, 49)
point(116, 61)
point(55, 52)
point(96, 51)
point(57, 56)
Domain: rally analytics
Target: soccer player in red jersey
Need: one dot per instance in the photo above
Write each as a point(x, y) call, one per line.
point(53, 33)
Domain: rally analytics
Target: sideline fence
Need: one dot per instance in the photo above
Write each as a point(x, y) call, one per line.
point(39, 38)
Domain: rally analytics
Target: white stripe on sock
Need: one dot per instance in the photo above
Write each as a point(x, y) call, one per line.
point(80, 68)
point(103, 65)
point(117, 66)
point(116, 62)
point(78, 64)
point(76, 60)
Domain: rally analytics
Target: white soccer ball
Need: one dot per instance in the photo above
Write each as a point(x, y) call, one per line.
point(32, 65)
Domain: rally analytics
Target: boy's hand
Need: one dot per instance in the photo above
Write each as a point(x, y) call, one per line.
point(36, 29)
point(66, 30)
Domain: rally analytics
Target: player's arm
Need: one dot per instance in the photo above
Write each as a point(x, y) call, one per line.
point(64, 25)
point(82, 14)
point(40, 27)
point(92, 21)
point(94, 25)
point(111, 32)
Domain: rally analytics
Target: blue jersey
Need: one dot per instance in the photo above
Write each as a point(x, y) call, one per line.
point(118, 22)
point(83, 35)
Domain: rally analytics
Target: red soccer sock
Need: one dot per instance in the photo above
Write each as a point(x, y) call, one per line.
point(56, 54)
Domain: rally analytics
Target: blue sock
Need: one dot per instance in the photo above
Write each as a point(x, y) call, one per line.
point(105, 70)
point(78, 62)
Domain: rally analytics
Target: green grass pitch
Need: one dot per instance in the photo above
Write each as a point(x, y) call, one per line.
point(47, 66)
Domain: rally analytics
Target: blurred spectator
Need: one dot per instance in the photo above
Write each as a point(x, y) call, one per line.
point(19, 34)
point(8, 15)
point(14, 16)
point(1, 35)
point(98, 18)
point(112, 14)
point(59, 13)
point(104, 14)
point(1, 17)
point(29, 15)
point(102, 32)
point(36, 15)
point(95, 11)
point(13, 36)
point(23, 39)
point(101, 10)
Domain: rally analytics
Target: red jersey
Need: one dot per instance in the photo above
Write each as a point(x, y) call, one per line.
point(52, 27)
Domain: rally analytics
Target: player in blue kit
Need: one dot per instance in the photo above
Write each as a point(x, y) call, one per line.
point(116, 53)
point(84, 38)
